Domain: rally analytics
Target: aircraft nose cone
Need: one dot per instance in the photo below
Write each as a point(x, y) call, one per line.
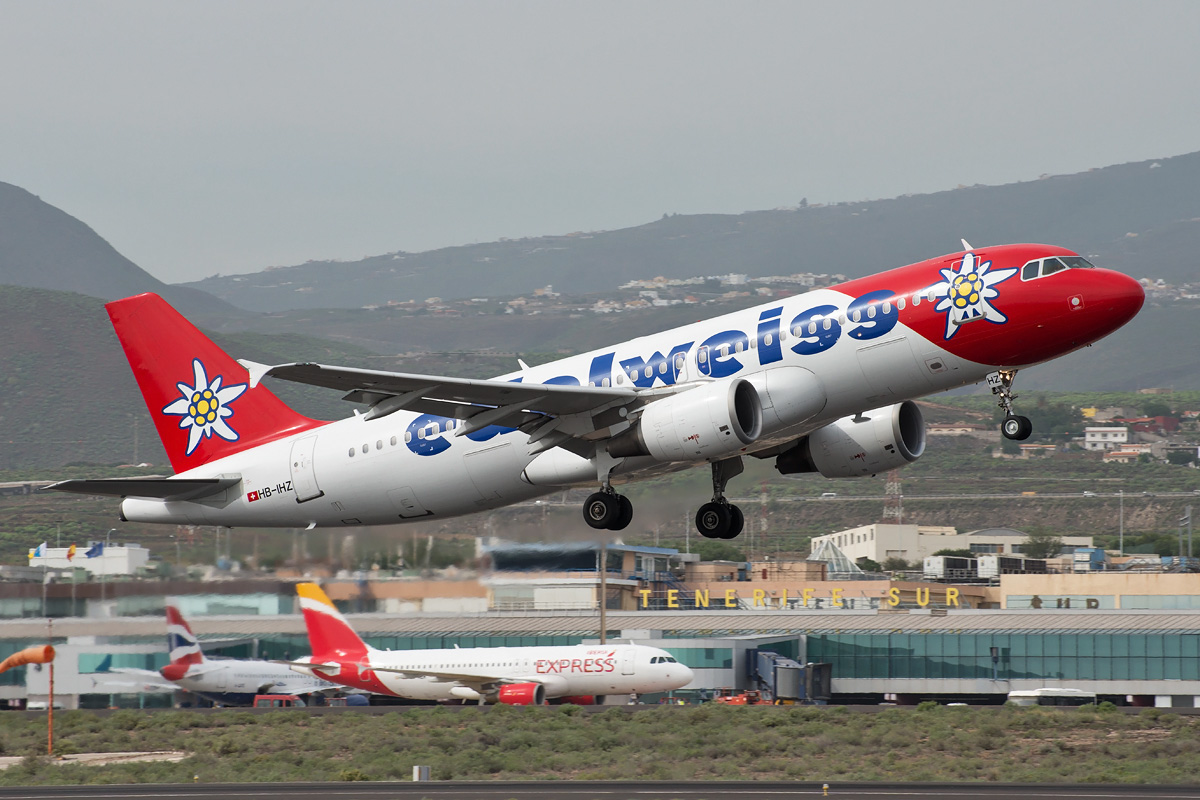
point(1125, 297)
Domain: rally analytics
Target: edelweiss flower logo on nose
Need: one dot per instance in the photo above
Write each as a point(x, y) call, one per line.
point(965, 293)
point(204, 407)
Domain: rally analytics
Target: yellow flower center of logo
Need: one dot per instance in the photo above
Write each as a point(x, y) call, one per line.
point(966, 290)
point(203, 408)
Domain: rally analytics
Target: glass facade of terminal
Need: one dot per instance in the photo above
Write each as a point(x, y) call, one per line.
point(1065, 656)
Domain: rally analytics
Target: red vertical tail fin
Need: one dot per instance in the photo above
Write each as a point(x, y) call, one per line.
point(183, 648)
point(329, 634)
point(199, 397)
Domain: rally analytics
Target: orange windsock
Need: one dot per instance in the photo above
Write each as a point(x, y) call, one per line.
point(38, 654)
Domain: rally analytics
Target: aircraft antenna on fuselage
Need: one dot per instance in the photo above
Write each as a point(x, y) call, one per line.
point(966, 245)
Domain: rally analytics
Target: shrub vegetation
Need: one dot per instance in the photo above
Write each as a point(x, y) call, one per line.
point(928, 743)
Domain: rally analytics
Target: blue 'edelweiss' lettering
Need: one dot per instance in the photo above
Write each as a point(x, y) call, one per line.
point(643, 372)
point(818, 329)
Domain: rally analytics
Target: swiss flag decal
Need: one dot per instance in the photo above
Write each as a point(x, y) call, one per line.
point(251, 496)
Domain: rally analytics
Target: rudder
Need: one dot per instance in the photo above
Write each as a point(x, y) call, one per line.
point(329, 634)
point(198, 396)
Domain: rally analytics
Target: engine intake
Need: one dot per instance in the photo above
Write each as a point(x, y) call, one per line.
point(710, 421)
point(872, 442)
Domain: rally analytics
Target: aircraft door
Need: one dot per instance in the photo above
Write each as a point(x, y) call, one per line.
point(304, 479)
point(627, 656)
point(703, 367)
point(681, 368)
point(222, 678)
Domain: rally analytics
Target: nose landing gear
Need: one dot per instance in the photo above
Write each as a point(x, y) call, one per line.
point(1014, 426)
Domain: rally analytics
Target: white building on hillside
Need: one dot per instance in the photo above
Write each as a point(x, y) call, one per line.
point(1104, 438)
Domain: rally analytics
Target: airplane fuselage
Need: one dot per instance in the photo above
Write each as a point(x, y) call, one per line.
point(861, 345)
point(567, 671)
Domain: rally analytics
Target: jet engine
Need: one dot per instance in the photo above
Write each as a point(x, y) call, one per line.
point(867, 443)
point(710, 421)
point(522, 694)
point(582, 700)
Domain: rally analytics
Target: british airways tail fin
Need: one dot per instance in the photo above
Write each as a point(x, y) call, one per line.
point(183, 648)
point(199, 397)
point(329, 634)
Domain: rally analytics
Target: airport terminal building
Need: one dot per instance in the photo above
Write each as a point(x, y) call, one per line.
point(1142, 657)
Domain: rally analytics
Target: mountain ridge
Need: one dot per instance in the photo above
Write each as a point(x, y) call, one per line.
point(1142, 218)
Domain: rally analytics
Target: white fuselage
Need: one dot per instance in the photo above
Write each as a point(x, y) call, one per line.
point(213, 677)
point(407, 467)
point(564, 671)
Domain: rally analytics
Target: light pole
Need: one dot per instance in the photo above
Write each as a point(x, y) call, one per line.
point(1121, 539)
point(103, 569)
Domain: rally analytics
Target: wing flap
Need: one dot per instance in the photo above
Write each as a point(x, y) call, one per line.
point(154, 488)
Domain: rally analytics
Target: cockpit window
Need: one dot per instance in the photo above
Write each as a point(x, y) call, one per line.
point(1048, 266)
point(1052, 265)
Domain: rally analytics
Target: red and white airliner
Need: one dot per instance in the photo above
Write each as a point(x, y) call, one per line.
point(579, 674)
point(822, 381)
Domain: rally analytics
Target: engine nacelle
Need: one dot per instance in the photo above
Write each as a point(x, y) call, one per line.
point(711, 421)
point(788, 395)
point(875, 441)
point(582, 700)
point(522, 694)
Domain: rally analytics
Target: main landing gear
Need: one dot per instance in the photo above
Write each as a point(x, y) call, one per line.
point(719, 519)
point(1014, 426)
point(608, 510)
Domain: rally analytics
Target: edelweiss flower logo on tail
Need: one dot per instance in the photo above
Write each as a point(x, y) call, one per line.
point(205, 407)
point(965, 293)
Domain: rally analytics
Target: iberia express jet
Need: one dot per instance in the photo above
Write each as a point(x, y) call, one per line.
point(819, 382)
point(580, 674)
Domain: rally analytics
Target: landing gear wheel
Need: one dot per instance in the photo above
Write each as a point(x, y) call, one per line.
point(624, 514)
point(1016, 427)
point(713, 520)
point(736, 522)
point(601, 509)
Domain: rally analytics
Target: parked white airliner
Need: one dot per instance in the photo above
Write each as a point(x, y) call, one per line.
point(230, 681)
point(580, 674)
point(821, 381)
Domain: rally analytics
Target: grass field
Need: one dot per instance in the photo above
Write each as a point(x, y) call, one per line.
point(927, 743)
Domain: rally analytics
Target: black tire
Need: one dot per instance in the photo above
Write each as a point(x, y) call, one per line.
point(736, 522)
point(1016, 428)
point(712, 520)
point(601, 509)
point(624, 514)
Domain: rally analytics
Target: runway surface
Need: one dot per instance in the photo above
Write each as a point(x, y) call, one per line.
point(602, 790)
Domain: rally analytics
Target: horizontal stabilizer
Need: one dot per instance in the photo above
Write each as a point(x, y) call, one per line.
point(155, 488)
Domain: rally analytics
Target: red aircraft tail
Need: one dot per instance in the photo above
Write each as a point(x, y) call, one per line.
point(329, 634)
point(199, 397)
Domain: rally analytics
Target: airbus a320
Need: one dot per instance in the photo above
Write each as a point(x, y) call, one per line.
point(819, 382)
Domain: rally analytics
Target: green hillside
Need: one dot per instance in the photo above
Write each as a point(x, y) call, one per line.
point(67, 394)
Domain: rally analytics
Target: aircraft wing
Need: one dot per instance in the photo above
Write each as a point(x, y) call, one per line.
point(539, 409)
point(157, 488)
point(146, 678)
point(473, 679)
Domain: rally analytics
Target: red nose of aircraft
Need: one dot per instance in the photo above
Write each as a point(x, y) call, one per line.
point(1115, 299)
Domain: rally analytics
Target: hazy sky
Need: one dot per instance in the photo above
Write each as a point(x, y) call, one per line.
point(206, 137)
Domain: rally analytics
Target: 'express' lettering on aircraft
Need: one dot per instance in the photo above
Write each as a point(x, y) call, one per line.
point(719, 356)
point(551, 666)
